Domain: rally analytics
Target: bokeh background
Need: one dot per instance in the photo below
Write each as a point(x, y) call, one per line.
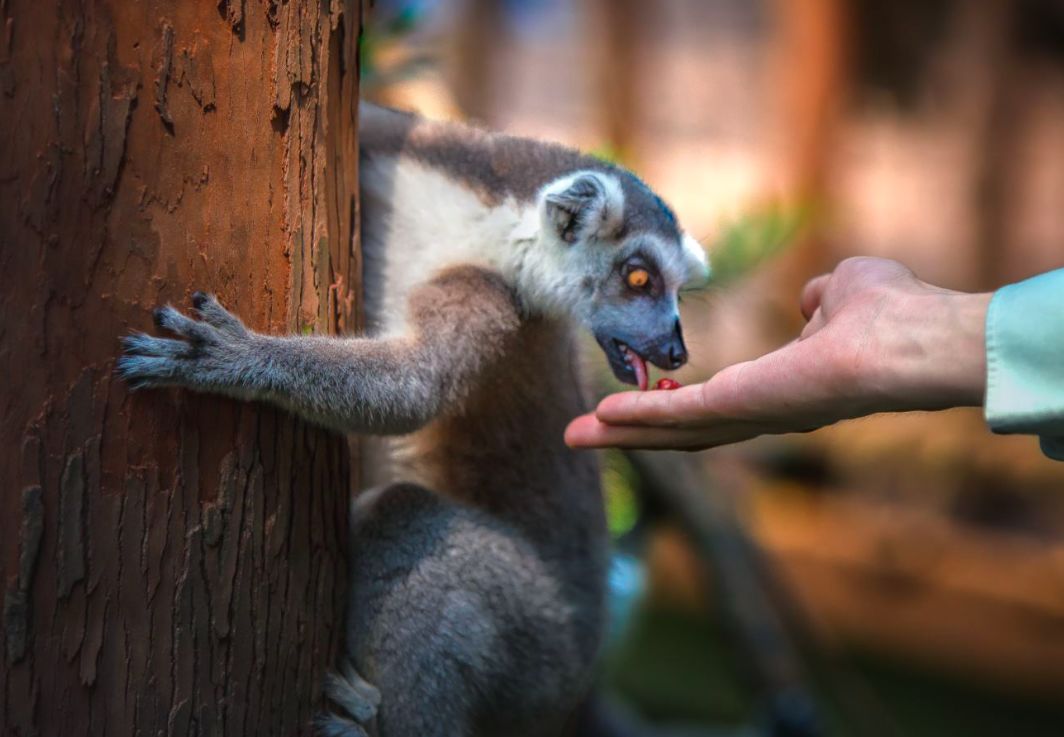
point(897, 575)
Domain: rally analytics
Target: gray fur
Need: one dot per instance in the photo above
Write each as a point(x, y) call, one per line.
point(477, 583)
point(578, 211)
point(387, 386)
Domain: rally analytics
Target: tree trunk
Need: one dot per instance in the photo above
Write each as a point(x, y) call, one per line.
point(172, 563)
point(477, 47)
point(619, 61)
point(812, 48)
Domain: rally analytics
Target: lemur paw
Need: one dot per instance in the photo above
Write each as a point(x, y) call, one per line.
point(206, 346)
point(356, 699)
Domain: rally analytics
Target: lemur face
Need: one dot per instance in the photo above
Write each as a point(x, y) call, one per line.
point(622, 246)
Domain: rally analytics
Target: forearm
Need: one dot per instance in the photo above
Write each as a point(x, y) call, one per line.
point(354, 385)
point(459, 322)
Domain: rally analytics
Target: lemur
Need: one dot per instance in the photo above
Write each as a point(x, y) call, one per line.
point(478, 575)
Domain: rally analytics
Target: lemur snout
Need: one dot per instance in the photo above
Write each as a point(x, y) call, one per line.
point(669, 352)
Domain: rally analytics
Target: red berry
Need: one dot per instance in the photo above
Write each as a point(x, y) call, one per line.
point(667, 385)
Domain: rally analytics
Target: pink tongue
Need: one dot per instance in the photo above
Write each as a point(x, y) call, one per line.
point(640, 367)
point(641, 373)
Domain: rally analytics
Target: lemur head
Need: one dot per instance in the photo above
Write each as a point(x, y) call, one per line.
point(620, 259)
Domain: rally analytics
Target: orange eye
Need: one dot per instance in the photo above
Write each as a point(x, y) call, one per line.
point(637, 278)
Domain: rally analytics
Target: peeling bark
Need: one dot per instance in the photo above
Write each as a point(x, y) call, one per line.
point(171, 563)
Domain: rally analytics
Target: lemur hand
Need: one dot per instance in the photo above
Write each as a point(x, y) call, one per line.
point(877, 340)
point(208, 355)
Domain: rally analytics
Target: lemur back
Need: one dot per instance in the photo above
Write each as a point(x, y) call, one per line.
point(478, 566)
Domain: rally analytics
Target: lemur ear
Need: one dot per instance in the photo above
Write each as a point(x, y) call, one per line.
point(586, 206)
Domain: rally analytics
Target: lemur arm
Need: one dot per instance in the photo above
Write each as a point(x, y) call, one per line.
point(460, 322)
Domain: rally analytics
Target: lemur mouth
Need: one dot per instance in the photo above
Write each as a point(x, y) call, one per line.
point(635, 364)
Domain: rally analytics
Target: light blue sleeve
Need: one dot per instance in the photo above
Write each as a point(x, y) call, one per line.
point(1025, 360)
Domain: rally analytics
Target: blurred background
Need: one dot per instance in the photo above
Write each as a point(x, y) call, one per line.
point(898, 575)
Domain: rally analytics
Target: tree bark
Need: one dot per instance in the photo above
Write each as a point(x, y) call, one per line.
point(171, 563)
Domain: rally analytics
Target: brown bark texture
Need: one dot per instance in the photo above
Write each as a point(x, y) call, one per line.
point(171, 563)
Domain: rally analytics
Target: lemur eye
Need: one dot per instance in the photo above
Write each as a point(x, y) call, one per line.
point(637, 278)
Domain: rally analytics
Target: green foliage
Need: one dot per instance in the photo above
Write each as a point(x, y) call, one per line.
point(383, 31)
point(755, 236)
point(367, 53)
point(620, 483)
point(681, 667)
point(608, 153)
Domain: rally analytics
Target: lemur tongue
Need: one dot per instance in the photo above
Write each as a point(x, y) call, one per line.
point(639, 366)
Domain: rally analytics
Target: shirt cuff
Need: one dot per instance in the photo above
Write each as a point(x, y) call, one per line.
point(1025, 360)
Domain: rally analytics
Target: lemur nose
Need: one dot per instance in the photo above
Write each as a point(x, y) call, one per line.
point(677, 357)
point(677, 350)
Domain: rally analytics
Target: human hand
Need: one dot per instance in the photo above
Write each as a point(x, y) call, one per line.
point(877, 339)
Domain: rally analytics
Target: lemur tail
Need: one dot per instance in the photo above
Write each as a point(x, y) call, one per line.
point(356, 701)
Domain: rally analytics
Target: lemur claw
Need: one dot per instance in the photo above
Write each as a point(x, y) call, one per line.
point(210, 310)
point(202, 349)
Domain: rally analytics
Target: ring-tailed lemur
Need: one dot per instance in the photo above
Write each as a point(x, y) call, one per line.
point(477, 581)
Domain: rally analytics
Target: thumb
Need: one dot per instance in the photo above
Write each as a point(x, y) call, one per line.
point(814, 324)
point(812, 294)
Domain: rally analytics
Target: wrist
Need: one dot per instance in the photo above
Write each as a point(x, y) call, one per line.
point(940, 360)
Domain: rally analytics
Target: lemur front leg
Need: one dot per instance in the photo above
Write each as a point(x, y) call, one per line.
point(460, 321)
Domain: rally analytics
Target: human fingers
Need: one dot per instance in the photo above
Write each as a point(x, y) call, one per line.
point(749, 391)
point(796, 386)
point(658, 408)
point(816, 322)
point(588, 431)
point(812, 294)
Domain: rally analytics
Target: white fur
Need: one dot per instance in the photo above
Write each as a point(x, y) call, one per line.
point(697, 262)
point(433, 222)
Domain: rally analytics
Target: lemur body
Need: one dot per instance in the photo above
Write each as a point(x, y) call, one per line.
point(478, 574)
